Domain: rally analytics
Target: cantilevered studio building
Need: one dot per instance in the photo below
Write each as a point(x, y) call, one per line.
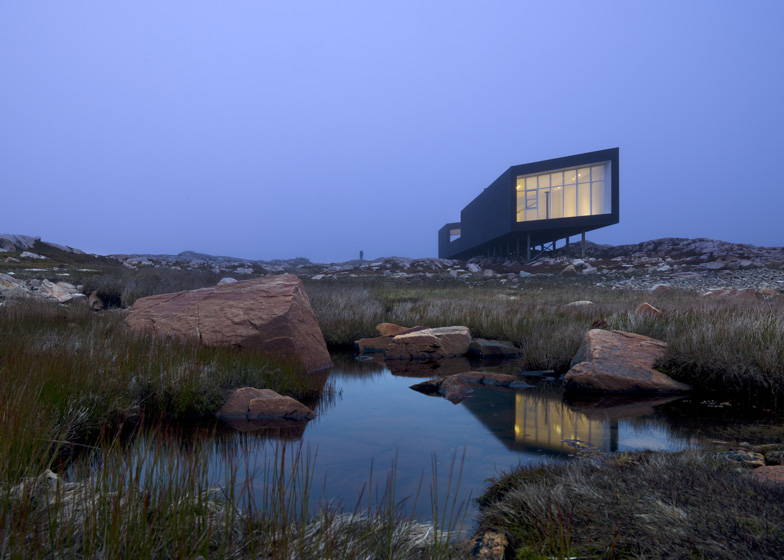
point(536, 205)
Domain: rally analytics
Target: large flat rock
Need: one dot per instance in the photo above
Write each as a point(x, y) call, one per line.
point(271, 314)
point(441, 342)
point(619, 362)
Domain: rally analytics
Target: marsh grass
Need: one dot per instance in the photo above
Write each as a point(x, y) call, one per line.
point(714, 345)
point(636, 505)
point(72, 381)
point(76, 482)
point(150, 499)
point(121, 287)
point(66, 373)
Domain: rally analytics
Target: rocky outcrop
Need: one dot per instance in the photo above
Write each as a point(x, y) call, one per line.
point(441, 342)
point(10, 242)
point(619, 362)
point(272, 315)
point(249, 403)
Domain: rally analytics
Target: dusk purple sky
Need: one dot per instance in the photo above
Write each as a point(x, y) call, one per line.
point(318, 129)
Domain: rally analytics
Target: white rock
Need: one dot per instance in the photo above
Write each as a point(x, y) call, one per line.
point(62, 292)
point(227, 280)
point(29, 255)
point(473, 267)
point(590, 270)
point(579, 303)
point(10, 286)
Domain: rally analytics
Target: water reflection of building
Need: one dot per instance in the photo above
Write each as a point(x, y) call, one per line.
point(529, 420)
point(550, 424)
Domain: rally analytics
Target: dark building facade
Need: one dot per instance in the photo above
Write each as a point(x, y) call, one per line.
point(536, 205)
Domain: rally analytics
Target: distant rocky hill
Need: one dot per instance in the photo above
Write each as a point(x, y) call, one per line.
point(684, 248)
point(10, 242)
point(697, 264)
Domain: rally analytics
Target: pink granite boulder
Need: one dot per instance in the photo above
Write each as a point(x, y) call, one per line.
point(619, 362)
point(270, 314)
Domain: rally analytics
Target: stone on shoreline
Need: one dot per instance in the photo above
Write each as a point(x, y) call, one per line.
point(619, 362)
point(441, 342)
point(249, 403)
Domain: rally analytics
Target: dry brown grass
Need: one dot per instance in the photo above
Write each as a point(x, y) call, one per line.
point(639, 505)
point(714, 345)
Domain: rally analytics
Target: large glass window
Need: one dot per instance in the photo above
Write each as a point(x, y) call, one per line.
point(565, 193)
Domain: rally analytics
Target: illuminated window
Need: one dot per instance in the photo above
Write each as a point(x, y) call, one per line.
point(565, 193)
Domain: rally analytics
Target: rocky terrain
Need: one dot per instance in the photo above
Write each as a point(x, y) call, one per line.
point(696, 264)
point(34, 267)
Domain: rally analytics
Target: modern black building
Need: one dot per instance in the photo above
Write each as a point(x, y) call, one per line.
point(535, 205)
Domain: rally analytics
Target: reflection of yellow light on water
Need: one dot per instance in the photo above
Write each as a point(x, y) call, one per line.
point(547, 423)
